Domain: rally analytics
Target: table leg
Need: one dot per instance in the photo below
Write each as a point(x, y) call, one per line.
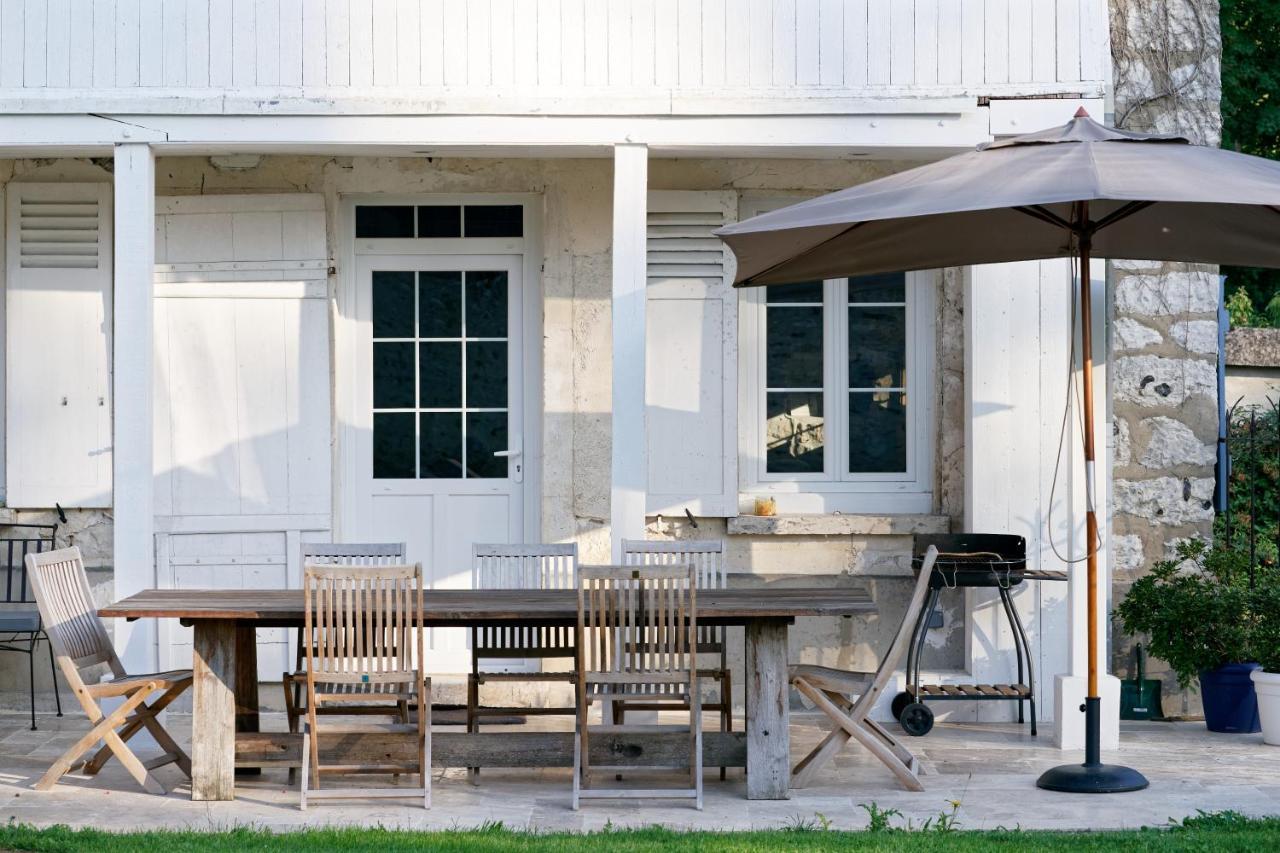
point(213, 712)
point(768, 712)
point(246, 687)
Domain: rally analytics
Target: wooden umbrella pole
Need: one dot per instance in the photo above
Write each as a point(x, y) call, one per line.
point(1091, 517)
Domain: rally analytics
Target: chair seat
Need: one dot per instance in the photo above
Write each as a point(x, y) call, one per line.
point(20, 621)
point(129, 683)
point(827, 678)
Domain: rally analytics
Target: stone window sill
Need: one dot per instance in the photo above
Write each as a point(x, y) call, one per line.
point(839, 524)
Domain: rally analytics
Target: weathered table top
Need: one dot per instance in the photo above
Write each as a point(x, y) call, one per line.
point(455, 607)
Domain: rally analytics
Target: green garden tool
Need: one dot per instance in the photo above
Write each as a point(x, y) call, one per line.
point(1140, 697)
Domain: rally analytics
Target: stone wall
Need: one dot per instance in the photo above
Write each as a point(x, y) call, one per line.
point(1253, 367)
point(1164, 339)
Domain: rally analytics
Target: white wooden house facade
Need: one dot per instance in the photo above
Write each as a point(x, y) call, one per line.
point(442, 272)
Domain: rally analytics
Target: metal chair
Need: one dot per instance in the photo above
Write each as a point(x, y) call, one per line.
point(519, 567)
point(20, 627)
point(707, 558)
point(80, 640)
point(847, 697)
point(636, 632)
point(354, 556)
point(366, 628)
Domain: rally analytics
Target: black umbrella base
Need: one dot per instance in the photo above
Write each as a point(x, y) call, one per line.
point(1092, 779)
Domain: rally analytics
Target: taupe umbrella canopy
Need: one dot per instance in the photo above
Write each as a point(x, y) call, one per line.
point(1150, 198)
point(1071, 191)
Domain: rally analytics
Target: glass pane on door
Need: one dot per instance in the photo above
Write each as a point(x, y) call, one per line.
point(443, 414)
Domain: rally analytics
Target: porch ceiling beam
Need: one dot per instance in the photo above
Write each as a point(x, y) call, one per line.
point(771, 135)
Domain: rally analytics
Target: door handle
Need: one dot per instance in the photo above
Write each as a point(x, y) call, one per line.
point(516, 468)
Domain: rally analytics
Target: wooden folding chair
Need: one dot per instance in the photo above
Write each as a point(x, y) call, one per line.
point(366, 634)
point(495, 649)
point(80, 640)
point(707, 558)
point(834, 692)
point(353, 556)
point(635, 635)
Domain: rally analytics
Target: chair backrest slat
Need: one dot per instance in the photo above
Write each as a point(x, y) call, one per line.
point(361, 619)
point(705, 555)
point(16, 541)
point(889, 663)
point(637, 621)
point(522, 566)
point(67, 610)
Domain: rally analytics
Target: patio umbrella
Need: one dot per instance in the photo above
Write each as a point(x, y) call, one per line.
point(1067, 191)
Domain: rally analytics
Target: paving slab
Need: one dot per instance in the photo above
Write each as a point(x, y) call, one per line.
point(990, 769)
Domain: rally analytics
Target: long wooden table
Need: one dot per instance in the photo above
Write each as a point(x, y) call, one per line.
point(225, 731)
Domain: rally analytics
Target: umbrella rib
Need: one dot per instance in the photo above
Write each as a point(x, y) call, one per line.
point(793, 258)
point(1035, 211)
point(1121, 213)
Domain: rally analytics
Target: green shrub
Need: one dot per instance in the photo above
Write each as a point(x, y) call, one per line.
point(1199, 611)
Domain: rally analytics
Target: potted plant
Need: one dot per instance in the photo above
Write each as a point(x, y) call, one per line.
point(1266, 681)
point(1203, 614)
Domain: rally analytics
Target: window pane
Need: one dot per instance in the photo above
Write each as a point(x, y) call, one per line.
point(794, 433)
point(441, 444)
point(486, 374)
point(384, 220)
point(440, 304)
point(494, 220)
point(794, 355)
point(486, 433)
point(877, 432)
point(886, 287)
point(877, 347)
point(393, 376)
point(440, 375)
point(393, 446)
point(806, 291)
point(487, 304)
point(439, 220)
point(392, 304)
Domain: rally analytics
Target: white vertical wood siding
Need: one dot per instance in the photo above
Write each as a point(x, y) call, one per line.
point(785, 49)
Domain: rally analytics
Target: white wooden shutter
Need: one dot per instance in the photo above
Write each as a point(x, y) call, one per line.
point(242, 398)
point(691, 355)
point(58, 345)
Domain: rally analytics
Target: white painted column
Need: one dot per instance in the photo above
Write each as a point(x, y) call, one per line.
point(630, 273)
point(131, 363)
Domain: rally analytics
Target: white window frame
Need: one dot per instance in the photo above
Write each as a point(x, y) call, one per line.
point(835, 489)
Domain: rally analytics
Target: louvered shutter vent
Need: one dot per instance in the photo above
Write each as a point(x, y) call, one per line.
point(682, 245)
point(690, 355)
point(58, 234)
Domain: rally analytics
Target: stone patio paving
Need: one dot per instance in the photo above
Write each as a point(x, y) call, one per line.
point(990, 768)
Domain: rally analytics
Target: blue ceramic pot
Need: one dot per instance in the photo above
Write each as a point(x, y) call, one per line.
point(1230, 703)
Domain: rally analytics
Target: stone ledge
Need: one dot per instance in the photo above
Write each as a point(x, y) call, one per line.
point(1253, 347)
point(842, 524)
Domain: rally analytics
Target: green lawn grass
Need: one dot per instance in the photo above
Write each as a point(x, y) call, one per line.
point(1221, 832)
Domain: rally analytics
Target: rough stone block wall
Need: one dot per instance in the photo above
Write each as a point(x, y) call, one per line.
point(1164, 331)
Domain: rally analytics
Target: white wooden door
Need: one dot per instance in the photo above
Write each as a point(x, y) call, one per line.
point(437, 443)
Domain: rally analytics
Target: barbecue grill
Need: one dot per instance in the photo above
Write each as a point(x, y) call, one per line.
point(966, 560)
